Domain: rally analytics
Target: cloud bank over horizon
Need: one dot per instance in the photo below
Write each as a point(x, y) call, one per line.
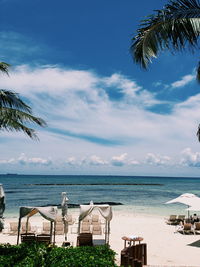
point(99, 121)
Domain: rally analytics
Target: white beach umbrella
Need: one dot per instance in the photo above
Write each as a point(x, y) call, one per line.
point(187, 199)
point(2, 206)
point(64, 207)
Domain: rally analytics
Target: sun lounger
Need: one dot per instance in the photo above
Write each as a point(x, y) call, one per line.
point(59, 228)
point(186, 229)
point(13, 228)
point(42, 238)
point(96, 229)
point(197, 227)
point(181, 218)
point(70, 220)
point(28, 238)
point(85, 228)
point(84, 239)
point(46, 228)
point(172, 220)
point(23, 227)
point(95, 219)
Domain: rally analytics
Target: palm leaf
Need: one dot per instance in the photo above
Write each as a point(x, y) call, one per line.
point(4, 67)
point(174, 27)
point(15, 120)
point(11, 99)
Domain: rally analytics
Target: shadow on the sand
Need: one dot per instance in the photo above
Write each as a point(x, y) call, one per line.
point(195, 244)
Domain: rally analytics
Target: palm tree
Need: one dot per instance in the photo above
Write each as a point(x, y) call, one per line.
point(176, 27)
point(14, 113)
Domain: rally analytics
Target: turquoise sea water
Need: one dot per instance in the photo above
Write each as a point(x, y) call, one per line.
point(137, 194)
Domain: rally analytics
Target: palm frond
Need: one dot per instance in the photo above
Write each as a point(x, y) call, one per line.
point(15, 120)
point(174, 27)
point(4, 67)
point(11, 99)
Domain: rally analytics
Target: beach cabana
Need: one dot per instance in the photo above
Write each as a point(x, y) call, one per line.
point(49, 213)
point(64, 208)
point(2, 206)
point(104, 210)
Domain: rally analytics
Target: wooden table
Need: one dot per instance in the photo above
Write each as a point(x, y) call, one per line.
point(131, 241)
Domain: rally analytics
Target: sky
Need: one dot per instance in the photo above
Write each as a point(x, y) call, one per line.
point(72, 64)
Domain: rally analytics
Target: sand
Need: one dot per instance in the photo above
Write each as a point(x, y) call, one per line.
point(164, 245)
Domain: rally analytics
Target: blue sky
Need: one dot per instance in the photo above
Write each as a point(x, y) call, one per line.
point(71, 63)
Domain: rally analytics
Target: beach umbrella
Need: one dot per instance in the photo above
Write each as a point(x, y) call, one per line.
point(64, 208)
point(2, 206)
point(187, 199)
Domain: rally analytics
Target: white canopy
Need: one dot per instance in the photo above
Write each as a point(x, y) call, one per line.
point(187, 199)
point(48, 213)
point(105, 210)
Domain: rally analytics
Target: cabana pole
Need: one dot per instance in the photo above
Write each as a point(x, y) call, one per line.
point(54, 233)
point(51, 230)
point(19, 226)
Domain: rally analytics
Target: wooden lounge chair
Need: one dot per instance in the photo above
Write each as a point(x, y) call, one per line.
point(28, 238)
point(42, 238)
point(181, 218)
point(85, 228)
point(70, 220)
point(13, 228)
point(197, 228)
point(172, 220)
point(84, 239)
point(96, 229)
point(95, 219)
point(46, 228)
point(59, 228)
point(186, 229)
point(23, 227)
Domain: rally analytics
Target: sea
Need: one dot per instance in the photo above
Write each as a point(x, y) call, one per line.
point(137, 194)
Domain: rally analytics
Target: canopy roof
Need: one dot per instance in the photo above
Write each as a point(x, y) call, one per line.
point(187, 199)
point(105, 210)
point(48, 213)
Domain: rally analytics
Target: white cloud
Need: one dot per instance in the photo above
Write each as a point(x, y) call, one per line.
point(183, 81)
point(23, 159)
point(119, 160)
point(190, 158)
point(153, 159)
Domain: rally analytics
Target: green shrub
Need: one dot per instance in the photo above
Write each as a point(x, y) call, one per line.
point(39, 255)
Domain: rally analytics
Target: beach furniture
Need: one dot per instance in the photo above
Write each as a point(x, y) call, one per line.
point(70, 220)
point(25, 228)
point(13, 228)
point(96, 229)
point(135, 254)
point(172, 220)
point(28, 238)
point(59, 228)
point(95, 219)
point(84, 239)
point(85, 228)
point(43, 238)
point(197, 227)
point(181, 218)
point(46, 227)
point(186, 229)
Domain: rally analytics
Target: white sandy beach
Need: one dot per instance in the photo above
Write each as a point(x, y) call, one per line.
point(164, 247)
